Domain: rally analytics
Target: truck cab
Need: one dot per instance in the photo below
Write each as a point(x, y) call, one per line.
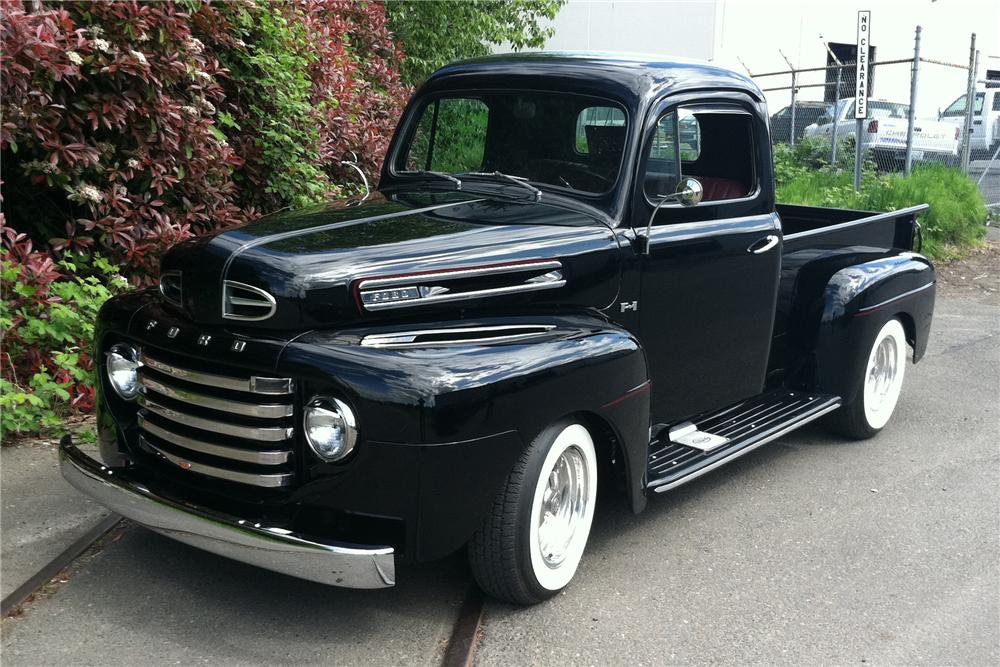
point(985, 130)
point(572, 276)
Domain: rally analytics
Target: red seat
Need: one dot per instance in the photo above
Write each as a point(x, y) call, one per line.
point(717, 189)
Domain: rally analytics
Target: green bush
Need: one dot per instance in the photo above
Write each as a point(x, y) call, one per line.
point(48, 328)
point(955, 222)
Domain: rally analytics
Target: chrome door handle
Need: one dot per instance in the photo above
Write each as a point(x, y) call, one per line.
point(763, 245)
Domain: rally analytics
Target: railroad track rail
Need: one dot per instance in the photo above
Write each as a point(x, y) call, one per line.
point(12, 602)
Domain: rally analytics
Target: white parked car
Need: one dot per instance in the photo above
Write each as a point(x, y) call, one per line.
point(985, 119)
point(884, 132)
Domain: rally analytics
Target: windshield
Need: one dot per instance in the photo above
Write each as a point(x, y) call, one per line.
point(568, 141)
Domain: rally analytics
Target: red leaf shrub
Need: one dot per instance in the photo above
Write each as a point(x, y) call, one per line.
point(355, 80)
point(123, 133)
point(108, 134)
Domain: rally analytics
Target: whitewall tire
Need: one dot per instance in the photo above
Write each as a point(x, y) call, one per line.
point(531, 544)
point(880, 381)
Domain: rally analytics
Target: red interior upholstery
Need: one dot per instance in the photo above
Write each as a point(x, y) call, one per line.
point(716, 189)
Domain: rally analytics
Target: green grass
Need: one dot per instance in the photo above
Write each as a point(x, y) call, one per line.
point(955, 223)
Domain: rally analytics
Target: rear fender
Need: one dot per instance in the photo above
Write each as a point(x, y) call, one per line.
point(856, 303)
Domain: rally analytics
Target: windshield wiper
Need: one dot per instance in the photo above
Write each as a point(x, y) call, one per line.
point(439, 174)
point(516, 180)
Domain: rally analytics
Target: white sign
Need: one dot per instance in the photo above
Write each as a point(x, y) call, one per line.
point(861, 66)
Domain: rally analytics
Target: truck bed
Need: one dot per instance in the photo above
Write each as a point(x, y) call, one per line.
point(816, 226)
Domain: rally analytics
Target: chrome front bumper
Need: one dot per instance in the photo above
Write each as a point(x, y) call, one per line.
point(276, 549)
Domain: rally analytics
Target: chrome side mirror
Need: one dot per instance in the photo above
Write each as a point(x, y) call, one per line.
point(688, 193)
point(351, 160)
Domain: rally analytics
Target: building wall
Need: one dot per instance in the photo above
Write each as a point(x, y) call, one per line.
point(683, 28)
point(727, 31)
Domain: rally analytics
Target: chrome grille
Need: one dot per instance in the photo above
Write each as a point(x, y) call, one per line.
point(238, 428)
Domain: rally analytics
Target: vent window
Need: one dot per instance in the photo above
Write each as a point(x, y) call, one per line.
point(246, 302)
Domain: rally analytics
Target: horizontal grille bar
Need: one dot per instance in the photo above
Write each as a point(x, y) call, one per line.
point(267, 480)
point(260, 433)
point(271, 411)
point(253, 385)
point(261, 457)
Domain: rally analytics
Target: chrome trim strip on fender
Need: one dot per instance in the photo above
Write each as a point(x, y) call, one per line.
point(746, 450)
point(868, 309)
point(259, 433)
point(266, 411)
point(261, 457)
point(411, 338)
point(273, 548)
point(267, 480)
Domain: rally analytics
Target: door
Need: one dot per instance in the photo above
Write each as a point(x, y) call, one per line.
point(710, 272)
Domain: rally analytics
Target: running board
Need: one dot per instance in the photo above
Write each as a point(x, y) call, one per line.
point(733, 432)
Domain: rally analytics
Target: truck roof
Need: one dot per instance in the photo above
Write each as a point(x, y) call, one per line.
point(623, 74)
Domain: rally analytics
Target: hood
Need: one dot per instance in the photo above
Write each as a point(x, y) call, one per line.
point(398, 257)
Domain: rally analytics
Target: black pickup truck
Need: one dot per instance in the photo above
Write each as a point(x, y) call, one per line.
point(573, 275)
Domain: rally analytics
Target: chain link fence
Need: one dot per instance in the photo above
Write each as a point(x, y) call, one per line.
point(813, 116)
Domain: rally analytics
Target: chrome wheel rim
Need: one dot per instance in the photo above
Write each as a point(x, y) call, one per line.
point(883, 371)
point(564, 506)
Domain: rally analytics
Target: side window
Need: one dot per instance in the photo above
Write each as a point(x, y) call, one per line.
point(450, 137)
point(996, 101)
point(592, 128)
point(715, 146)
point(956, 108)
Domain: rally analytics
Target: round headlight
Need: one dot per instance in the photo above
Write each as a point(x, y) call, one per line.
point(331, 429)
point(122, 368)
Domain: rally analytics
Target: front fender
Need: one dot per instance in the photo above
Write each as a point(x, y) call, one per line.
point(470, 409)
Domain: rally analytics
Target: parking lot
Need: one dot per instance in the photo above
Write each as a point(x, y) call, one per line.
point(813, 550)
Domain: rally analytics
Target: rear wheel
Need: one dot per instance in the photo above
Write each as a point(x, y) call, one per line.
point(530, 545)
point(881, 381)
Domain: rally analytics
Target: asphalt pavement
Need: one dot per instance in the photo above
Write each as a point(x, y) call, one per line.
point(812, 550)
point(42, 514)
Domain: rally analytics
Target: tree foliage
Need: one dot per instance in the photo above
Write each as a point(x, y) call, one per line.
point(435, 33)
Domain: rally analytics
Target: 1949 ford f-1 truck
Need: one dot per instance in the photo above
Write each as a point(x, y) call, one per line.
point(573, 275)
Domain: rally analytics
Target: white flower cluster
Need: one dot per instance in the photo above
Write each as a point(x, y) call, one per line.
point(74, 57)
point(133, 163)
point(95, 30)
point(205, 105)
point(140, 56)
point(204, 77)
point(194, 44)
point(86, 192)
point(39, 167)
point(102, 45)
point(189, 110)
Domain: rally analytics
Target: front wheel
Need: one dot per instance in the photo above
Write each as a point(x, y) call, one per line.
point(530, 545)
point(881, 383)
